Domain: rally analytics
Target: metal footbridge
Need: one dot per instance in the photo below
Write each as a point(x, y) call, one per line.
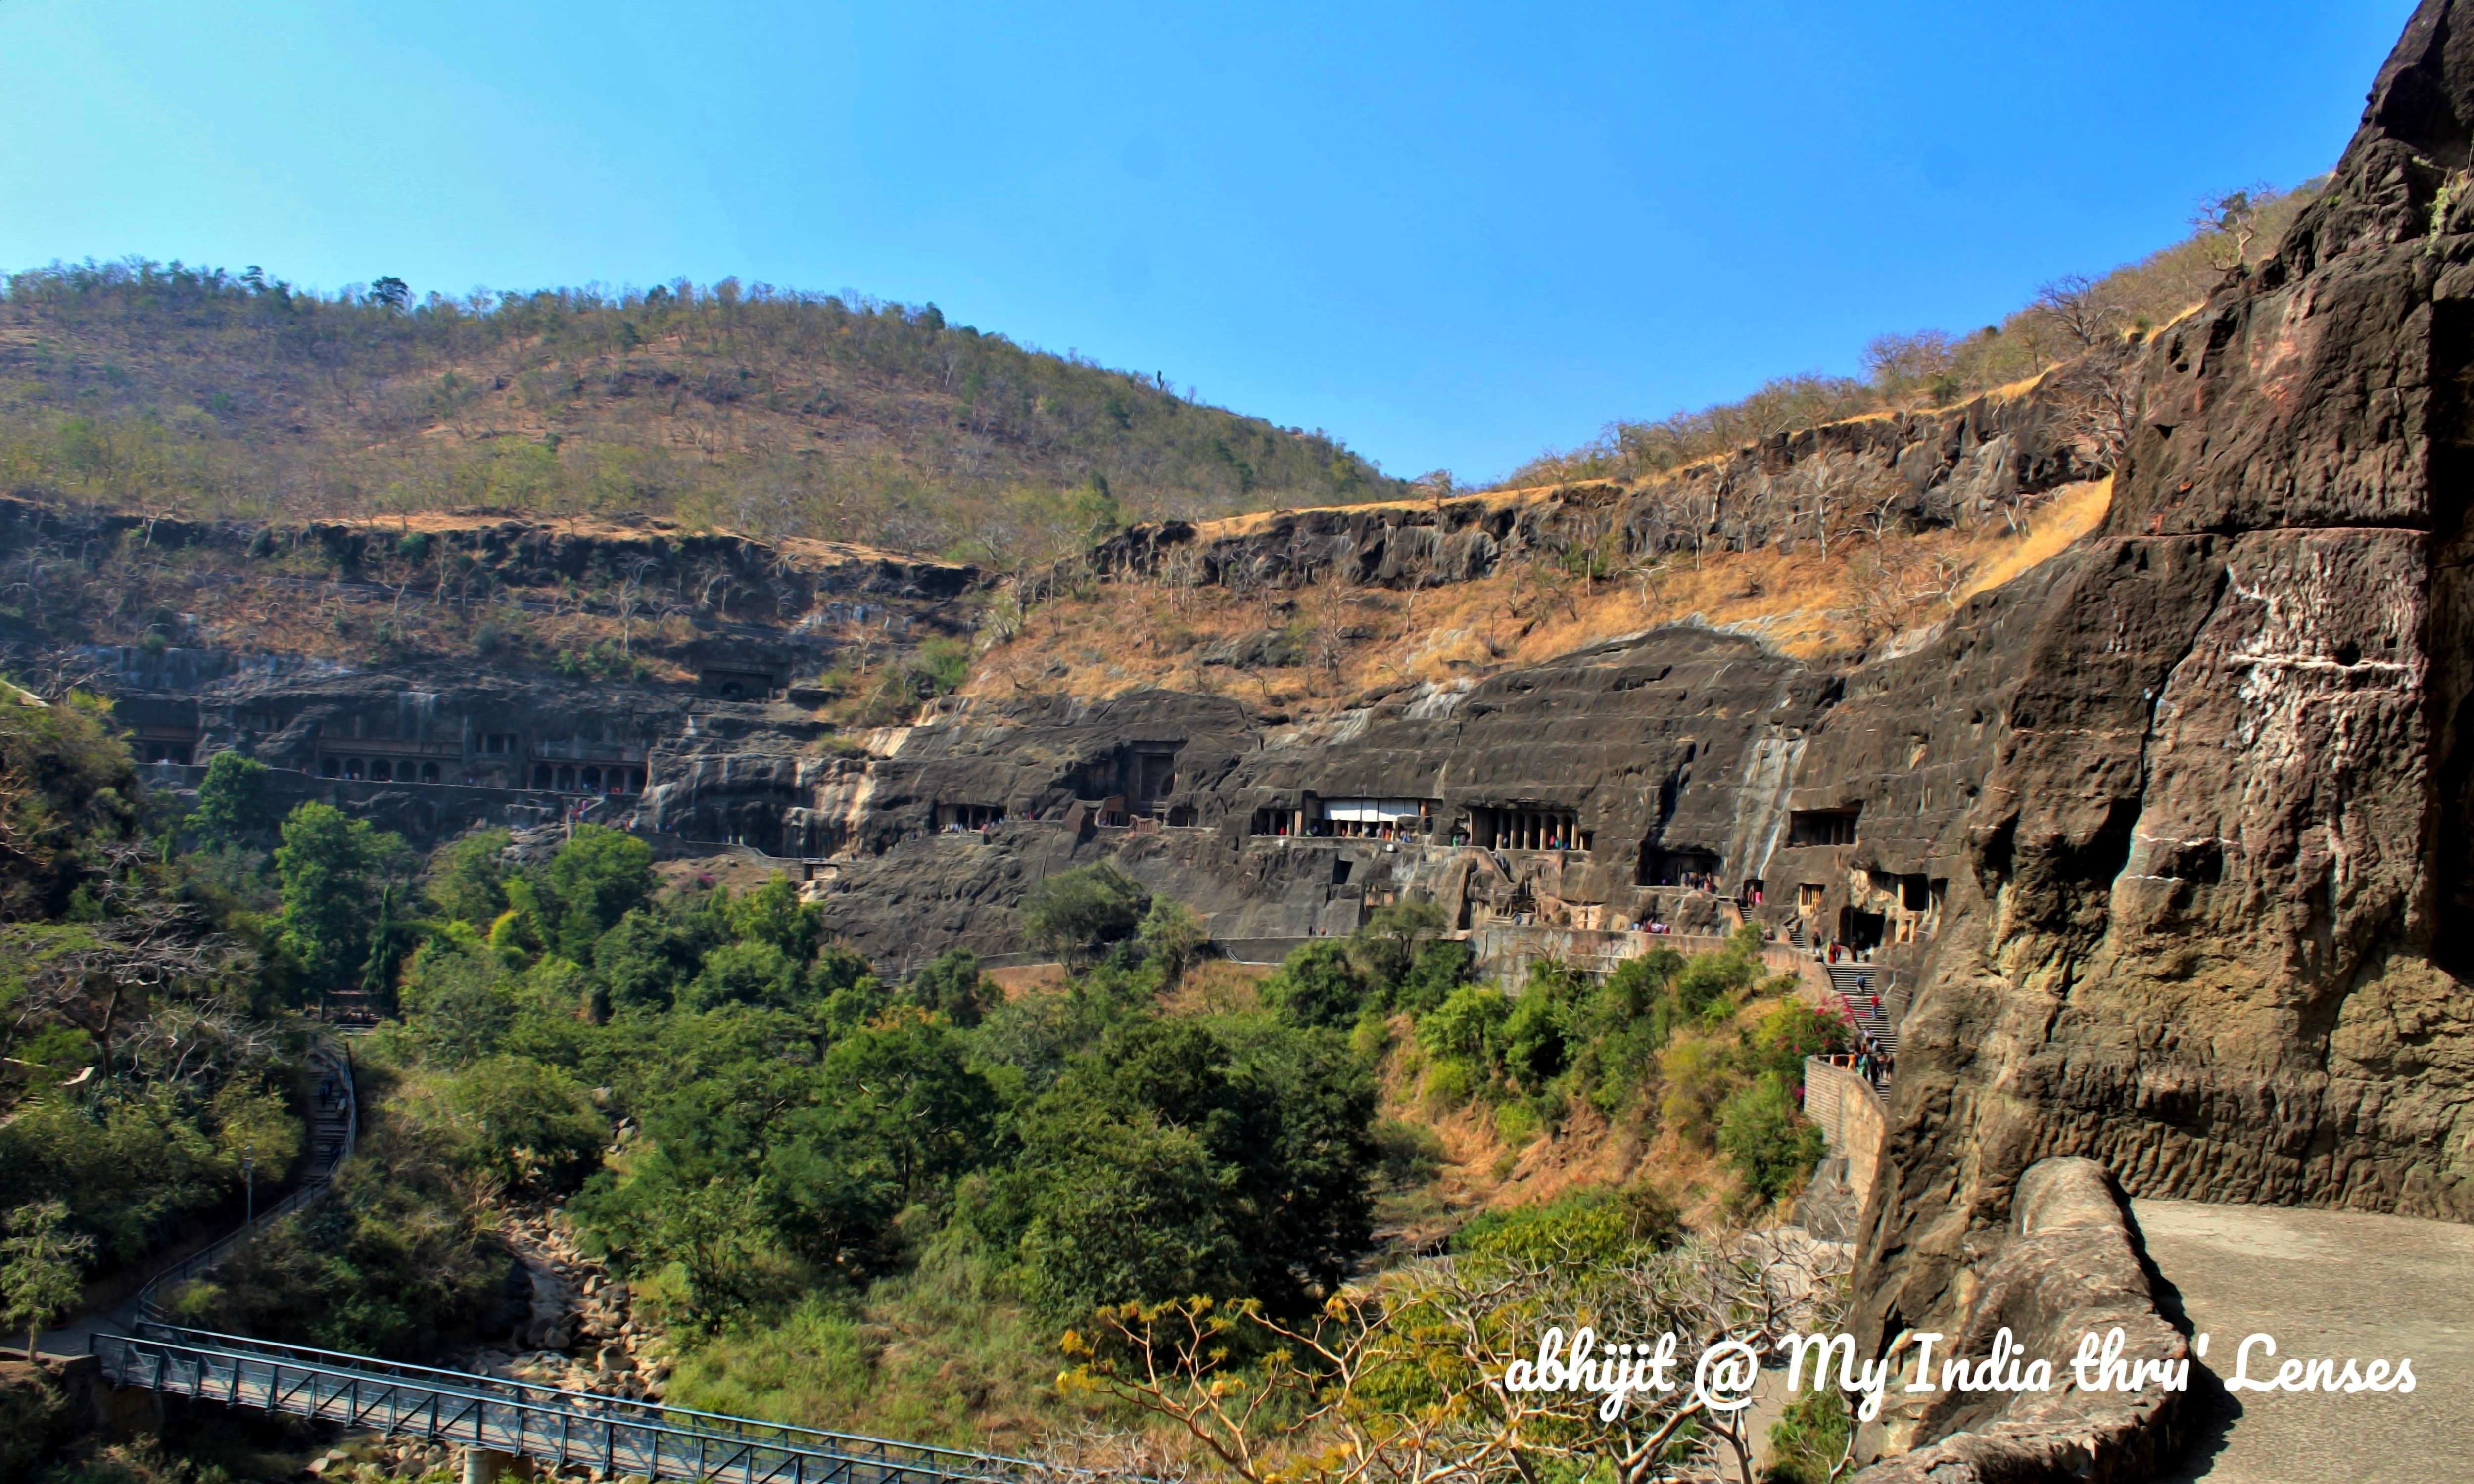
point(561, 1429)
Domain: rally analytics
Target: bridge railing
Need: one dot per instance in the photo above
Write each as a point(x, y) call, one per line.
point(616, 1435)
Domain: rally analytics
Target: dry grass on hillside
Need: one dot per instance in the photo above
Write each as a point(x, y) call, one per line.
point(1120, 637)
point(1485, 1171)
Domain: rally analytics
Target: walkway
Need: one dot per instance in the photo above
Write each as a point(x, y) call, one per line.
point(2324, 1283)
point(334, 1125)
point(563, 1428)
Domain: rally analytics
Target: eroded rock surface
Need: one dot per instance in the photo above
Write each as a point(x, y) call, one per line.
point(2216, 912)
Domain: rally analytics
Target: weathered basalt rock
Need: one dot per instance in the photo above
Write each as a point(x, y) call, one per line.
point(2068, 1267)
point(2216, 913)
point(1987, 459)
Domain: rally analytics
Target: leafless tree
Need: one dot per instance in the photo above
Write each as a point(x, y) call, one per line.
point(1403, 1381)
point(2079, 309)
point(630, 592)
point(2098, 397)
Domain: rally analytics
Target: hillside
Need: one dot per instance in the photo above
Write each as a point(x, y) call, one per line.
point(170, 390)
point(1933, 369)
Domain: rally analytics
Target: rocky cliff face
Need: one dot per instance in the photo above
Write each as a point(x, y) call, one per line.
point(1577, 795)
point(2214, 916)
point(1989, 460)
point(1581, 796)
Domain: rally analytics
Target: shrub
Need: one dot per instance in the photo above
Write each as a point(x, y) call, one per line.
point(1766, 1138)
point(1441, 967)
point(1809, 1439)
point(1449, 1083)
point(1467, 1026)
point(1074, 911)
point(1602, 1225)
point(1316, 986)
point(1413, 1154)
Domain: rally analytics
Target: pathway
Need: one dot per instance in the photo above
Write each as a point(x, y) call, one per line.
point(2324, 1283)
point(334, 1126)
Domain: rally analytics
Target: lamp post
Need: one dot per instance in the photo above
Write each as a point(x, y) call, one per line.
point(249, 1179)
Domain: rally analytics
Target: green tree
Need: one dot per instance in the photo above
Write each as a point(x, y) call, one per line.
point(1074, 911)
point(745, 973)
point(774, 913)
point(1387, 945)
point(231, 801)
point(38, 1268)
point(1316, 986)
point(66, 783)
point(596, 877)
point(908, 1115)
point(523, 1122)
point(1178, 1157)
point(341, 893)
point(645, 959)
point(953, 986)
point(1174, 936)
point(1132, 1210)
point(455, 1001)
point(467, 876)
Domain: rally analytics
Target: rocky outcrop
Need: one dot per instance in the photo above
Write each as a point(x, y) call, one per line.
point(2069, 1267)
point(1987, 460)
point(2215, 916)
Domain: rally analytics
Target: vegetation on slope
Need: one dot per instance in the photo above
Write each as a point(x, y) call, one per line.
point(845, 1200)
point(1329, 644)
point(1936, 369)
point(136, 1064)
point(167, 389)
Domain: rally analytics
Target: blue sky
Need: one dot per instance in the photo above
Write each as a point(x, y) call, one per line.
point(1453, 235)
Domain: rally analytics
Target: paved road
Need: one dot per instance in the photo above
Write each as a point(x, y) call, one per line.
point(2326, 1283)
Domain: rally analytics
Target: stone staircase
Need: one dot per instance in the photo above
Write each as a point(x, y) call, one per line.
point(1858, 986)
point(331, 1109)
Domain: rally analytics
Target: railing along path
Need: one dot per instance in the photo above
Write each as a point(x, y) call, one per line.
point(334, 1130)
point(565, 1429)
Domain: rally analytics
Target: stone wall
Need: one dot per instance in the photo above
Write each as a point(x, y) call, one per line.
point(1850, 1116)
point(2069, 1265)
